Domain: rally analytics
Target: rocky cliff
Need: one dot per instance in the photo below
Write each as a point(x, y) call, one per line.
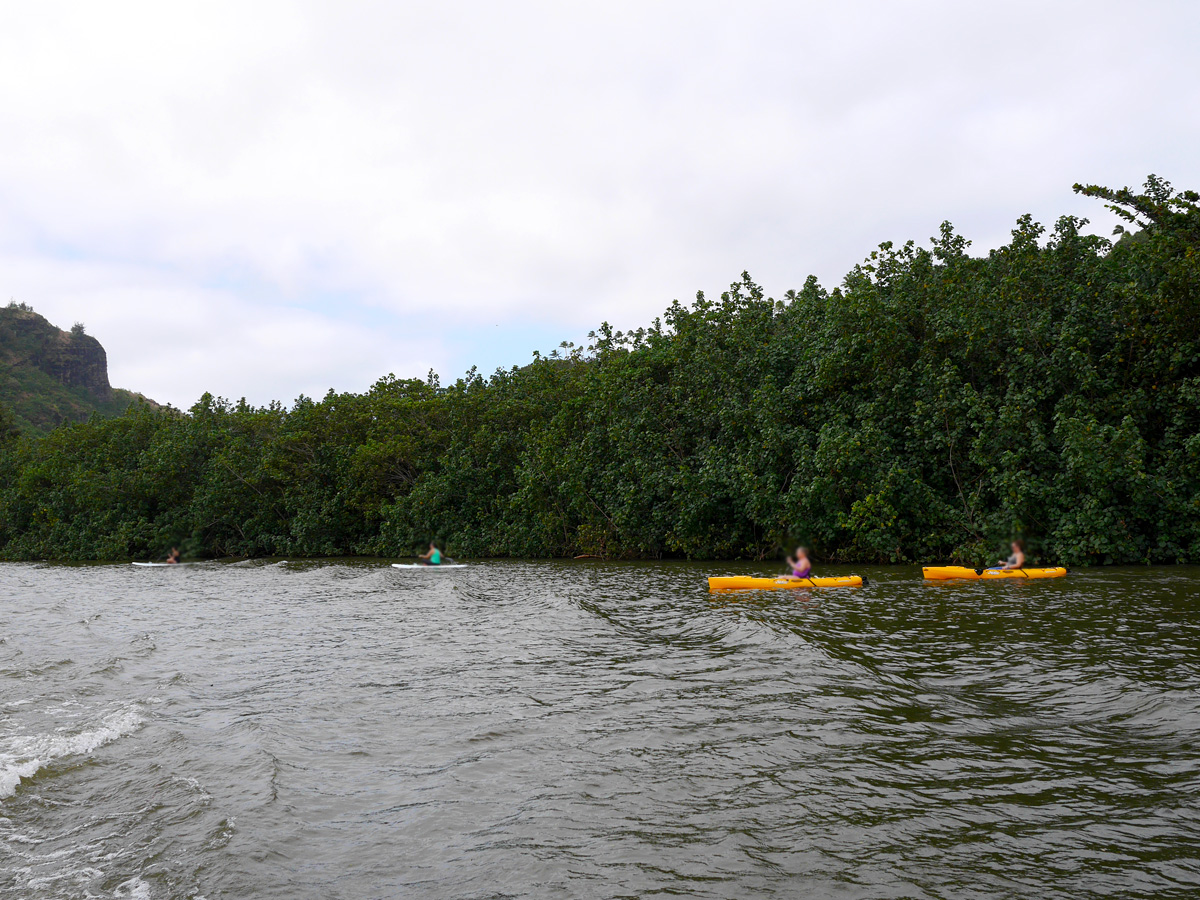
point(49, 376)
point(69, 357)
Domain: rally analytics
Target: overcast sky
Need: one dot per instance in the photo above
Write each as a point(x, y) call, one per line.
point(264, 199)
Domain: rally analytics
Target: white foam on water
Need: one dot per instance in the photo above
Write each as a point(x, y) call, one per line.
point(25, 755)
point(76, 876)
point(195, 785)
point(133, 889)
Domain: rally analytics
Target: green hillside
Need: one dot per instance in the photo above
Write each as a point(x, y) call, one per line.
point(49, 376)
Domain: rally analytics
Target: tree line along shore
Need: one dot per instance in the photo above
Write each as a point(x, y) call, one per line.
point(930, 408)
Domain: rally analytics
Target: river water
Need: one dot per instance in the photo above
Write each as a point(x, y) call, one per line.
point(348, 730)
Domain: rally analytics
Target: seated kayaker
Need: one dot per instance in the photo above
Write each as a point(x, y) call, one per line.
point(173, 556)
point(800, 566)
point(432, 558)
point(1017, 560)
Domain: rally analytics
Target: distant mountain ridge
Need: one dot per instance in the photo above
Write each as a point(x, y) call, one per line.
point(49, 376)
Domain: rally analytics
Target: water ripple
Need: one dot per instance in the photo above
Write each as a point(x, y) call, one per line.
point(348, 730)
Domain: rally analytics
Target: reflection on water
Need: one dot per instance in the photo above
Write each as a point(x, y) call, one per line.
point(347, 730)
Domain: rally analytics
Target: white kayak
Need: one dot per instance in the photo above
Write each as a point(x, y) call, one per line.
point(438, 566)
point(161, 565)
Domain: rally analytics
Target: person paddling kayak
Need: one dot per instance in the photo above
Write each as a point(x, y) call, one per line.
point(1017, 560)
point(432, 558)
point(173, 556)
point(801, 567)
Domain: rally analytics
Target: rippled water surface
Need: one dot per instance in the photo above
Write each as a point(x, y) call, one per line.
point(348, 730)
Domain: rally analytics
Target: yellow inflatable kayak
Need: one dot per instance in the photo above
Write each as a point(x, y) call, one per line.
point(945, 573)
point(781, 583)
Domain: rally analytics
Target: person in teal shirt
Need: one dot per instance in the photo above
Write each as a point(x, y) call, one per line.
point(432, 558)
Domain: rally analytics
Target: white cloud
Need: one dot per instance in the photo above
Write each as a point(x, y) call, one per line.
point(340, 170)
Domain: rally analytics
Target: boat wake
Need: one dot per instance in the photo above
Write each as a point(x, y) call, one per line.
point(23, 756)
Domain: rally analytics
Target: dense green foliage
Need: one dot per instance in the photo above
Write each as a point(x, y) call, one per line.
point(929, 408)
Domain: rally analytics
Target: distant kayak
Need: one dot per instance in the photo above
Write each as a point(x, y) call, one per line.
point(160, 565)
point(781, 583)
point(945, 573)
point(438, 566)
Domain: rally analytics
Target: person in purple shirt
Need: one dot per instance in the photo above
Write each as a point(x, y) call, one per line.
point(801, 567)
